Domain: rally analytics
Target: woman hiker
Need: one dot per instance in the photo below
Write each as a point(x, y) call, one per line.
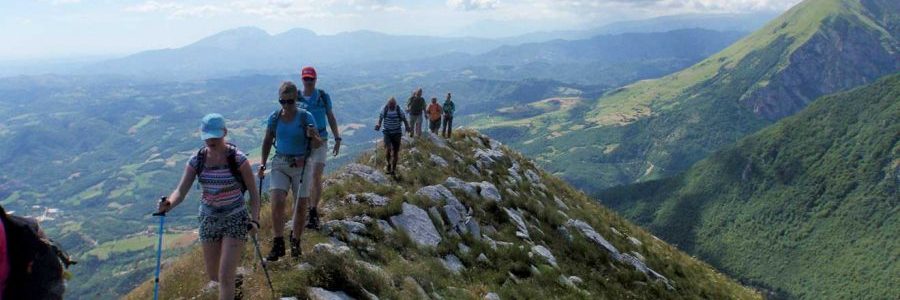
point(434, 116)
point(293, 132)
point(224, 174)
point(391, 117)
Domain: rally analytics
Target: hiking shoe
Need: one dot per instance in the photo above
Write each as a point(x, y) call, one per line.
point(313, 222)
point(210, 288)
point(277, 249)
point(238, 283)
point(295, 248)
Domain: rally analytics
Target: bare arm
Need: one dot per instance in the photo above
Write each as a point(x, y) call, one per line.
point(247, 174)
point(332, 122)
point(175, 198)
point(266, 147)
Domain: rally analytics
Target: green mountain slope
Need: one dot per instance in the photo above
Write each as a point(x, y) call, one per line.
point(467, 218)
point(809, 205)
point(657, 128)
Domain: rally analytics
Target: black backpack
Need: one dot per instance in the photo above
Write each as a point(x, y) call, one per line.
point(36, 262)
point(233, 166)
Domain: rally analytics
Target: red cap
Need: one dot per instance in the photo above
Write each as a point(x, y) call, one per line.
point(308, 72)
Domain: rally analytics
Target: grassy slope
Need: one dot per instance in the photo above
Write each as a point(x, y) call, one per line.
point(661, 127)
point(399, 258)
point(808, 205)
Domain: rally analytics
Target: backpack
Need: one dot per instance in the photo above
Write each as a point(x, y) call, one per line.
point(232, 165)
point(313, 143)
point(36, 262)
point(320, 100)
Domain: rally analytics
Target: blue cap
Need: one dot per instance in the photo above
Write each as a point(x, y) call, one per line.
point(212, 127)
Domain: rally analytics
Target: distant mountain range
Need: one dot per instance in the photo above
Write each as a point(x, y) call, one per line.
point(251, 50)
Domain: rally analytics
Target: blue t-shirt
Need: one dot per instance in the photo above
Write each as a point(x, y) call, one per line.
point(318, 105)
point(290, 137)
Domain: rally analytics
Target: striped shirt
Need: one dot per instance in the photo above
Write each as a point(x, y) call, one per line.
point(391, 120)
point(221, 192)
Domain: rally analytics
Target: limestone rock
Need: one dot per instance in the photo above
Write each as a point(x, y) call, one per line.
point(321, 248)
point(385, 226)
point(544, 253)
point(516, 218)
point(454, 183)
point(317, 293)
point(415, 222)
point(491, 296)
point(365, 172)
point(488, 191)
point(369, 198)
point(332, 226)
point(635, 241)
point(452, 263)
point(437, 160)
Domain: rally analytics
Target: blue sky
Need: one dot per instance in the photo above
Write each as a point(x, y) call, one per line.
point(70, 28)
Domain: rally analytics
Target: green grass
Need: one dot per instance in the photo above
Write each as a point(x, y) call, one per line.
point(807, 206)
point(136, 243)
point(401, 262)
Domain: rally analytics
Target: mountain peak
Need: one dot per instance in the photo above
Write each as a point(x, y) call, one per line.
point(232, 38)
point(466, 218)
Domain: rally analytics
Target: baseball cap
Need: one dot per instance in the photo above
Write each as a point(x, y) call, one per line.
point(212, 127)
point(308, 72)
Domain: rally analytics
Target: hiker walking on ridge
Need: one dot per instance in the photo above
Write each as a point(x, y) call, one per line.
point(415, 106)
point(434, 116)
point(292, 130)
point(391, 117)
point(449, 108)
point(317, 102)
point(224, 175)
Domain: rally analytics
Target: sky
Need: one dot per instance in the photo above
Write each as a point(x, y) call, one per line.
point(41, 29)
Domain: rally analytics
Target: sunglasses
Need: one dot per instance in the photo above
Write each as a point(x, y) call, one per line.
point(309, 79)
point(288, 101)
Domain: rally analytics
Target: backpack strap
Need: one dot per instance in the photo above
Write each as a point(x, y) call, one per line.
point(201, 161)
point(321, 99)
point(234, 167)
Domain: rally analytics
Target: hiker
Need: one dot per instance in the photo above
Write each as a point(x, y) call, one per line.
point(31, 264)
point(391, 116)
point(449, 108)
point(434, 116)
point(292, 130)
point(224, 175)
point(415, 106)
point(318, 103)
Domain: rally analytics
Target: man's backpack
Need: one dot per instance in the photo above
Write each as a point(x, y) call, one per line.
point(233, 166)
point(273, 119)
point(36, 262)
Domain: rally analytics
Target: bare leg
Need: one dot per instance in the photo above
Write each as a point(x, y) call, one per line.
point(316, 190)
point(278, 198)
point(211, 253)
point(300, 208)
point(231, 258)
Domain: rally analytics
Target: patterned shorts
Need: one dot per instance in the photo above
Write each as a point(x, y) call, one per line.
point(213, 228)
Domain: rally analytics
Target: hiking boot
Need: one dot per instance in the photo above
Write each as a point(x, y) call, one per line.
point(277, 249)
point(238, 284)
point(313, 222)
point(211, 287)
point(295, 248)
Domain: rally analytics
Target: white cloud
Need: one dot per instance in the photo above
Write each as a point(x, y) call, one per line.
point(472, 4)
point(177, 10)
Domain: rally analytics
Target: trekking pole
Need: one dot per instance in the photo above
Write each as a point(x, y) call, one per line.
point(162, 221)
point(262, 261)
